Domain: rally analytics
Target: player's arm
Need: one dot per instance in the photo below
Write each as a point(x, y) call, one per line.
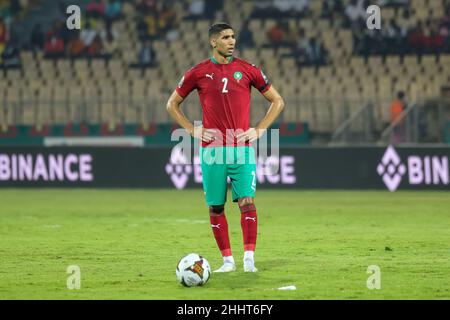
point(174, 109)
point(276, 106)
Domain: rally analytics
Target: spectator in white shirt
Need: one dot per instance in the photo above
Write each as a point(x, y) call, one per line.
point(355, 12)
point(87, 35)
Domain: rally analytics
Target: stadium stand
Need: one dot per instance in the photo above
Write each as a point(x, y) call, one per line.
point(129, 55)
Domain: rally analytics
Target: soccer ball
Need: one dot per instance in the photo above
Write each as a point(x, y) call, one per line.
point(193, 270)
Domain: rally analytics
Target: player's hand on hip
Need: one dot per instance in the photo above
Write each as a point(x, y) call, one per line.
point(206, 135)
point(250, 135)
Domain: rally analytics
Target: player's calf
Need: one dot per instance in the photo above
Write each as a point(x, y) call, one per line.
point(249, 225)
point(219, 227)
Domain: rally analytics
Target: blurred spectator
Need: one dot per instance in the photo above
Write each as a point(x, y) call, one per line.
point(109, 29)
point(11, 56)
point(291, 36)
point(262, 9)
point(88, 42)
point(417, 38)
point(425, 38)
point(245, 39)
point(95, 49)
point(15, 7)
point(95, 9)
point(146, 6)
point(146, 56)
point(394, 37)
point(397, 106)
point(280, 8)
point(393, 3)
point(404, 20)
point(141, 28)
point(368, 42)
point(196, 10)
point(331, 7)
point(3, 36)
point(400, 37)
point(435, 41)
point(355, 13)
point(276, 35)
point(110, 45)
point(88, 34)
point(396, 109)
point(76, 47)
point(316, 53)
point(37, 39)
point(444, 26)
point(280, 35)
point(173, 34)
point(309, 52)
point(113, 10)
point(444, 29)
point(291, 8)
point(301, 45)
point(166, 19)
point(212, 7)
point(54, 47)
point(221, 16)
point(61, 29)
point(5, 12)
point(327, 9)
point(151, 22)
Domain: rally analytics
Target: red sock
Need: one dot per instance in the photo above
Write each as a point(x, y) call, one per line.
point(249, 224)
point(219, 227)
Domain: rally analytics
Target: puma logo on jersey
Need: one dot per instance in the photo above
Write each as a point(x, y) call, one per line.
point(210, 76)
point(251, 218)
point(216, 226)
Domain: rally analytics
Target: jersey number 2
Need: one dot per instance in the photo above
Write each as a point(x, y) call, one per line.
point(225, 83)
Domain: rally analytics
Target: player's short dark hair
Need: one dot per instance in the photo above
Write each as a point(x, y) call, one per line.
point(217, 28)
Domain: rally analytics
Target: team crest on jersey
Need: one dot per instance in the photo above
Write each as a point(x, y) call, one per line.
point(180, 84)
point(238, 76)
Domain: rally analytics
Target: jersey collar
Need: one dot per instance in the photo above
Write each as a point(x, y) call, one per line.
point(216, 62)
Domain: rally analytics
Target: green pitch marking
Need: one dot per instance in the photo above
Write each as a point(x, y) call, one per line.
point(127, 244)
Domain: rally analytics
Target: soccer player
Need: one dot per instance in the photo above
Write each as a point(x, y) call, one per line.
point(224, 83)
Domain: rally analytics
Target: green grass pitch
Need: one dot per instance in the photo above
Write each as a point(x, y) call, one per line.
point(127, 244)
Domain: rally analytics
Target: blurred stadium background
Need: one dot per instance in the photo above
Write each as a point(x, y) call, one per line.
point(341, 81)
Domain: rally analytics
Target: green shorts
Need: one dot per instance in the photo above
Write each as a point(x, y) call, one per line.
point(237, 163)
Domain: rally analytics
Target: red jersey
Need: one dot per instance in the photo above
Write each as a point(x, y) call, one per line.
point(224, 91)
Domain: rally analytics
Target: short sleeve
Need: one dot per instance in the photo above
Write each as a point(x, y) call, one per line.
point(187, 83)
point(259, 79)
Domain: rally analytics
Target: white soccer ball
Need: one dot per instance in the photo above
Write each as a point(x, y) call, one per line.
point(193, 270)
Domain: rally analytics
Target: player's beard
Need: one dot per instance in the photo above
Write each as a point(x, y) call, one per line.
point(225, 53)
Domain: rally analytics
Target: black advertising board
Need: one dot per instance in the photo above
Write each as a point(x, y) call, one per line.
point(387, 168)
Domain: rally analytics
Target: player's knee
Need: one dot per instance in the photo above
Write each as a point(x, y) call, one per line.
point(246, 204)
point(216, 210)
point(245, 201)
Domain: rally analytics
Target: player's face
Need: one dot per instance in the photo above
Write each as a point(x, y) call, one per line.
point(224, 43)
